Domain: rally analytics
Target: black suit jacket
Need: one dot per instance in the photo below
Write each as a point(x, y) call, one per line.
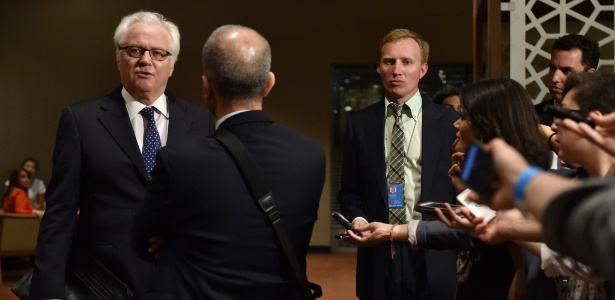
point(545, 118)
point(219, 242)
point(364, 191)
point(99, 170)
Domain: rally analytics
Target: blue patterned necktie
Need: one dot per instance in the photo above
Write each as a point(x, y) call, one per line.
point(151, 143)
point(397, 157)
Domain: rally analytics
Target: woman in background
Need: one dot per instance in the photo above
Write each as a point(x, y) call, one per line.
point(15, 199)
point(36, 190)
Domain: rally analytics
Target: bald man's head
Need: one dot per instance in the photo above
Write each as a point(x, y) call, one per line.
point(237, 60)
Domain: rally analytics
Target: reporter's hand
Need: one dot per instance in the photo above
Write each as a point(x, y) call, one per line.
point(374, 233)
point(506, 225)
point(604, 133)
point(455, 171)
point(356, 223)
point(455, 221)
point(545, 130)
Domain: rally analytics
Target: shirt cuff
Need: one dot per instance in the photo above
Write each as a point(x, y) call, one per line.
point(548, 262)
point(359, 218)
point(553, 264)
point(412, 225)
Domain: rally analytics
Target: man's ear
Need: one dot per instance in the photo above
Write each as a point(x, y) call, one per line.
point(591, 70)
point(269, 85)
point(424, 68)
point(206, 87)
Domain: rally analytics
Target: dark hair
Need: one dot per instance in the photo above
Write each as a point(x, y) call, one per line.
point(500, 107)
point(589, 48)
point(13, 180)
point(593, 92)
point(445, 92)
point(27, 159)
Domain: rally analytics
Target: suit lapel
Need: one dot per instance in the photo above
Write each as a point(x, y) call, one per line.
point(374, 137)
point(114, 117)
point(433, 137)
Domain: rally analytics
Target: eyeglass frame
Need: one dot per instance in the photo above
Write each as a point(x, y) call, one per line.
point(143, 50)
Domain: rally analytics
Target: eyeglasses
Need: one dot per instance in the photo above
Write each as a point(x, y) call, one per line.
point(577, 112)
point(137, 52)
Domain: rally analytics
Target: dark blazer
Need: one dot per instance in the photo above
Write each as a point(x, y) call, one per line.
point(364, 191)
point(545, 118)
point(99, 171)
point(217, 238)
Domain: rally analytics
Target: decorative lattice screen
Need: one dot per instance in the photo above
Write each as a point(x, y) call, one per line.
point(536, 24)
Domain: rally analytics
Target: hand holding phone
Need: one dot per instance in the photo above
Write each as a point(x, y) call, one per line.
point(344, 222)
point(476, 209)
point(561, 113)
point(430, 208)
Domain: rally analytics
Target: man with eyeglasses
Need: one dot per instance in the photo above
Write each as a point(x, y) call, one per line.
point(105, 150)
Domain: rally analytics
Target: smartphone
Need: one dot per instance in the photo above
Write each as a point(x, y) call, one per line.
point(477, 172)
point(342, 220)
point(561, 113)
point(430, 208)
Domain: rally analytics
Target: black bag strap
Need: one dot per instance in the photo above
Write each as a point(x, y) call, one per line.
point(256, 184)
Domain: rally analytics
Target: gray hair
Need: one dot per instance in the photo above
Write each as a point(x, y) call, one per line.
point(234, 76)
point(147, 17)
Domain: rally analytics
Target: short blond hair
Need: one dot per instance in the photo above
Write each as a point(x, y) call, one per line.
point(400, 34)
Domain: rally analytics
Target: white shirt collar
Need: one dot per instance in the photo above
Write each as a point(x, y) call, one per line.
point(415, 103)
point(134, 107)
point(228, 116)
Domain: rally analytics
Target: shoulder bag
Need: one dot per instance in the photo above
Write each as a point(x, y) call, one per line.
point(256, 184)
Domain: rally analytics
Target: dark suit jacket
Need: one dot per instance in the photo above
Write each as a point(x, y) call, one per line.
point(99, 170)
point(218, 240)
point(364, 191)
point(545, 118)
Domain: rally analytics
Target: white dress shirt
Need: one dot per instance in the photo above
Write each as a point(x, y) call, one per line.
point(139, 122)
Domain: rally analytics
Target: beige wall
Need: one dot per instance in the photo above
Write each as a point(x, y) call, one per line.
point(53, 53)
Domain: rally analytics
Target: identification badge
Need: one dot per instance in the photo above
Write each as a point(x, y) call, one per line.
point(396, 195)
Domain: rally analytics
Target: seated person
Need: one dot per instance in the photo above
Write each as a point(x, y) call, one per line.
point(15, 199)
point(36, 190)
